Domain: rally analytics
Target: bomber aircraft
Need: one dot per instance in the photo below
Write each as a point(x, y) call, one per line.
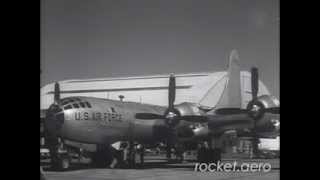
point(102, 122)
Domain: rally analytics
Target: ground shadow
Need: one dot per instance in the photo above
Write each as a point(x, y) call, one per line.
point(150, 163)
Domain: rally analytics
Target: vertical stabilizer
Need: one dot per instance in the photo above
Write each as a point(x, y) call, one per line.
point(231, 96)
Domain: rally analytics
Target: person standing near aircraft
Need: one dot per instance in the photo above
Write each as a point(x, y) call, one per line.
point(206, 152)
point(140, 151)
point(200, 153)
point(179, 152)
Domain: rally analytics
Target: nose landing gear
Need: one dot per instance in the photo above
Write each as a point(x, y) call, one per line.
point(60, 159)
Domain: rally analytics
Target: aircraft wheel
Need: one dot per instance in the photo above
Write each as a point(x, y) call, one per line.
point(65, 163)
point(132, 160)
point(61, 163)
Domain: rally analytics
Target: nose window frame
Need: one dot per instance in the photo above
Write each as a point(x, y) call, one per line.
point(75, 105)
point(82, 104)
point(88, 104)
point(67, 107)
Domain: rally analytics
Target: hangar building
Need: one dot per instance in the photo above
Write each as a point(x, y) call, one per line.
point(153, 89)
point(193, 87)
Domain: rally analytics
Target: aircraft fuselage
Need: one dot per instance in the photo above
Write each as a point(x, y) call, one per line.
point(107, 121)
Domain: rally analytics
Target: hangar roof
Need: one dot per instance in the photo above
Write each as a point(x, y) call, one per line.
point(152, 89)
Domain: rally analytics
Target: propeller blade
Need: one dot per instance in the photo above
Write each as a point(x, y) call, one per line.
point(148, 116)
point(230, 111)
point(56, 93)
point(193, 118)
point(273, 110)
point(254, 82)
point(172, 92)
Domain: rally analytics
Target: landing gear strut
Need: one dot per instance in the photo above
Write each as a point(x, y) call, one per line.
point(168, 152)
point(60, 159)
point(62, 162)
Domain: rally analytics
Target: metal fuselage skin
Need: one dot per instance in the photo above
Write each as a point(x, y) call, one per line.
point(106, 121)
point(109, 121)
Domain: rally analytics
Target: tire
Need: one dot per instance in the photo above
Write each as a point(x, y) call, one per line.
point(61, 163)
point(64, 163)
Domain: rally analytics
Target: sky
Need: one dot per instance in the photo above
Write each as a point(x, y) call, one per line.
point(110, 38)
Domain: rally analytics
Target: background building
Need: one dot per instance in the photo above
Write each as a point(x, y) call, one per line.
point(203, 88)
point(196, 87)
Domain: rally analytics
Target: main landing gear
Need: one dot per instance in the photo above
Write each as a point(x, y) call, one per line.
point(107, 156)
point(133, 151)
point(103, 157)
point(210, 152)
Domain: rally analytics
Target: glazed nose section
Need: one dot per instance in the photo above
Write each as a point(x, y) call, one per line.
point(54, 120)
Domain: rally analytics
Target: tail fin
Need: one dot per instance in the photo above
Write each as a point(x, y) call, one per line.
point(226, 92)
point(231, 96)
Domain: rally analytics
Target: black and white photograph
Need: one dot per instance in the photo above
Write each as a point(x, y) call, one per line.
point(159, 89)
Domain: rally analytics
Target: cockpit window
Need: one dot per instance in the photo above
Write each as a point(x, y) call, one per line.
point(65, 102)
point(76, 105)
point(77, 99)
point(71, 100)
point(82, 105)
point(88, 104)
point(68, 107)
point(70, 103)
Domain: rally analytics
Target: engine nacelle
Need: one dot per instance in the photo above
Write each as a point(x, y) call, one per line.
point(265, 121)
point(188, 130)
point(257, 107)
point(269, 101)
point(188, 109)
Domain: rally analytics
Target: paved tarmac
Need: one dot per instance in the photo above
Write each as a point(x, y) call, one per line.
point(157, 168)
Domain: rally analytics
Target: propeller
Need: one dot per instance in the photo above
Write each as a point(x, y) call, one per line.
point(171, 116)
point(53, 122)
point(252, 110)
point(171, 93)
point(255, 108)
point(254, 82)
point(56, 93)
point(54, 117)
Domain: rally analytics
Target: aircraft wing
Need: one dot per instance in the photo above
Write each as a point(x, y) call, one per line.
point(221, 123)
point(267, 127)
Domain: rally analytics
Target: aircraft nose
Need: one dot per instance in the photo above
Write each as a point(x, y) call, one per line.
point(54, 119)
